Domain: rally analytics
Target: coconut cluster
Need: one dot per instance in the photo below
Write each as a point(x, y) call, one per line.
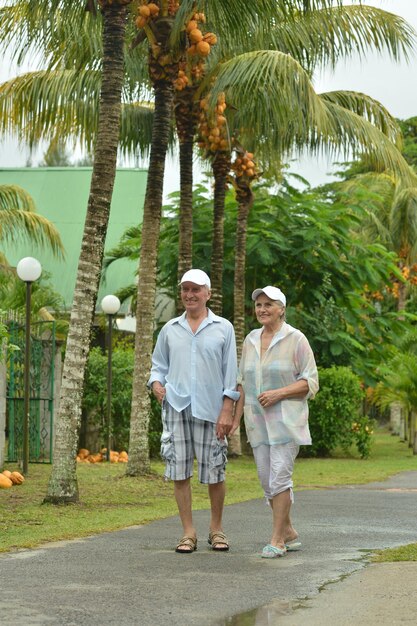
point(213, 133)
point(244, 166)
point(199, 47)
point(200, 44)
point(146, 11)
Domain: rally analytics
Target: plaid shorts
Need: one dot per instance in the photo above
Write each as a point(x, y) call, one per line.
point(185, 437)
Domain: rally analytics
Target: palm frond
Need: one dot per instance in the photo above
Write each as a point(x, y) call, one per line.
point(19, 221)
point(373, 193)
point(29, 28)
point(369, 109)
point(403, 219)
point(325, 36)
point(13, 197)
point(357, 135)
point(43, 105)
point(277, 83)
point(127, 248)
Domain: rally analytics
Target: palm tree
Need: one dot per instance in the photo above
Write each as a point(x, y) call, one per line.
point(399, 385)
point(63, 485)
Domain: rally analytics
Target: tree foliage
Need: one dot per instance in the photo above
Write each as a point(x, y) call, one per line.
point(308, 243)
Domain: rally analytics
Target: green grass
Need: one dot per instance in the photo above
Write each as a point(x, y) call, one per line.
point(403, 553)
point(109, 500)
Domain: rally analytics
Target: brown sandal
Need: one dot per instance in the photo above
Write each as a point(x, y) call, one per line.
point(189, 542)
point(216, 539)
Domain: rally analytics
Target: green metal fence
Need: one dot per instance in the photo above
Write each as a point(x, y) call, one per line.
point(41, 401)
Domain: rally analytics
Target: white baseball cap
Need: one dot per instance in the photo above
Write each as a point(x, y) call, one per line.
point(198, 277)
point(272, 292)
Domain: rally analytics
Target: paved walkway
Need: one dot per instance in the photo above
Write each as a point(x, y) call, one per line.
point(134, 577)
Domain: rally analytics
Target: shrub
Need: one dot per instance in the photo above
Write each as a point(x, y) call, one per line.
point(95, 398)
point(336, 418)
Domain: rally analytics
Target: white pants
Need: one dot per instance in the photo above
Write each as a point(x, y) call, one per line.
point(275, 465)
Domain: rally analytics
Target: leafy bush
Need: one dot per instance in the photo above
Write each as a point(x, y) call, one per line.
point(95, 393)
point(336, 418)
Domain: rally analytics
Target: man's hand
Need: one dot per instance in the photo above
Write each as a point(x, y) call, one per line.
point(224, 422)
point(158, 391)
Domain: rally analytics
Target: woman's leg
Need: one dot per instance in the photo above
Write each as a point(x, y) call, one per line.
point(280, 486)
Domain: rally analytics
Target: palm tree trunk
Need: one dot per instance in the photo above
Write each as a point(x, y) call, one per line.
point(402, 297)
point(186, 118)
point(185, 244)
point(244, 197)
point(413, 431)
point(395, 418)
point(63, 485)
point(221, 168)
point(186, 121)
point(145, 310)
point(403, 425)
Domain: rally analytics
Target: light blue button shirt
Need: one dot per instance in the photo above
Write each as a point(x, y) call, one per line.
point(196, 368)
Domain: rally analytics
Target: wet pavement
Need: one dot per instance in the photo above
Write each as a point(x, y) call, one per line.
point(134, 576)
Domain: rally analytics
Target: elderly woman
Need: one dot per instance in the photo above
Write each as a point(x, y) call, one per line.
point(277, 375)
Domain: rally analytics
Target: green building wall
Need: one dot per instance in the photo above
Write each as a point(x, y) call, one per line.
point(61, 195)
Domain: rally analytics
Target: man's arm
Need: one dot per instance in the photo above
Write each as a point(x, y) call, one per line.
point(160, 366)
point(225, 419)
point(231, 395)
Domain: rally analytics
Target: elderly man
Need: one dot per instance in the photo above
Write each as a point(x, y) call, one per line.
point(193, 376)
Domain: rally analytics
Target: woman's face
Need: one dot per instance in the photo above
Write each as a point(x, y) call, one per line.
point(268, 312)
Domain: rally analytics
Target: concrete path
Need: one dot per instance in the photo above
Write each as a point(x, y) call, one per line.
point(134, 577)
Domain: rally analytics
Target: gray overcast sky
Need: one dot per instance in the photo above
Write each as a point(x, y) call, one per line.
point(393, 84)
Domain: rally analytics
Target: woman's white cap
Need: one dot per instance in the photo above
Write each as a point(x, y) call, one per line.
point(272, 292)
point(198, 277)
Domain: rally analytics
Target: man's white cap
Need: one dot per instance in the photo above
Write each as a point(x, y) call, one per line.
point(198, 277)
point(272, 292)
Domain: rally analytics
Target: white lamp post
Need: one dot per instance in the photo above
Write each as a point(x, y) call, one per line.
point(28, 270)
point(110, 306)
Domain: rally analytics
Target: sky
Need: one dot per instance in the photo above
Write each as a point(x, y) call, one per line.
point(393, 84)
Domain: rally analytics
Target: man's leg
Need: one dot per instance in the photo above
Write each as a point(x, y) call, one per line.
point(182, 491)
point(211, 454)
point(177, 450)
point(217, 494)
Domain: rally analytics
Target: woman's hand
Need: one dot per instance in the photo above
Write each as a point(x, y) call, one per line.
point(297, 390)
point(268, 398)
point(235, 427)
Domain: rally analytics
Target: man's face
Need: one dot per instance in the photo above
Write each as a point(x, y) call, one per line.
point(194, 297)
